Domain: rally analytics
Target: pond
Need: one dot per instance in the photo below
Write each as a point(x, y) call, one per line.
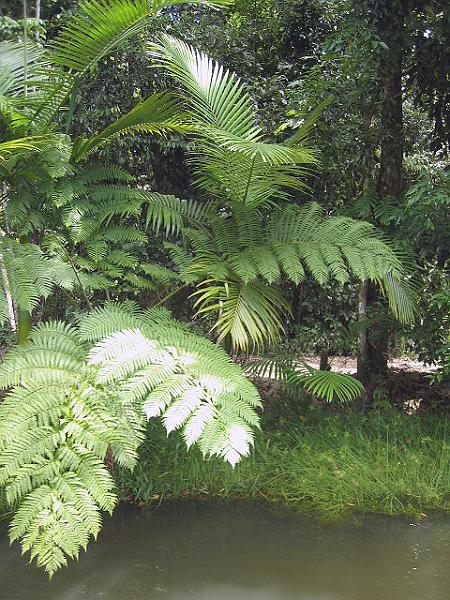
point(211, 551)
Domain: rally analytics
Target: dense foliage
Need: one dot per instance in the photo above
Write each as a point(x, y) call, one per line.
point(273, 172)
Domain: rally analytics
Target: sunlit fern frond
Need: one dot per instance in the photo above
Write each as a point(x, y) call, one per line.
point(56, 426)
point(178, 376)
point(73, 407)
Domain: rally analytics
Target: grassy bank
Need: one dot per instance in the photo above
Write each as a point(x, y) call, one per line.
point(391, 463)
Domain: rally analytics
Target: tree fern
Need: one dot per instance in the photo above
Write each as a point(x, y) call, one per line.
point(239, 258)
point(238, 249)
point(81, 393)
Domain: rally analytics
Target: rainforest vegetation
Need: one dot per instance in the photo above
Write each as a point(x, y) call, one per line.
point(206, 208)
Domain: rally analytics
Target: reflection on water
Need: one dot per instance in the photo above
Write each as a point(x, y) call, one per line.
point(209, 551)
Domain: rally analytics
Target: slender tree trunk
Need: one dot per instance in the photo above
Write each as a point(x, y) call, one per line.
point(25, 45)
point(391, 143)
point(38, 16)
point(367, 187)
point(324, 364)
point(362, 368)
point(7, 292)
point(389, 184)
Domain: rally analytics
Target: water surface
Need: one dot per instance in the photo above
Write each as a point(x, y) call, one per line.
point(207, 551)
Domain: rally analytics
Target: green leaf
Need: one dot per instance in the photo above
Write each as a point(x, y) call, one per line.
point(99, 26)
point(157, 115)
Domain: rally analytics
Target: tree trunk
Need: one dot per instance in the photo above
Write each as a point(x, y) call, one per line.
point(7, 292)
point(391, 142)
point(38, 16)
point(389, 184)
point(362, 369)
point(324, 364)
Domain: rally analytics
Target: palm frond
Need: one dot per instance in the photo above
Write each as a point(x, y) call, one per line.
point(12, 62)
point(14, 149)
point(250, 313)
point(215, 96)
point(235, 161)
point(99, 26)
point(295, 373)
point(157, 115)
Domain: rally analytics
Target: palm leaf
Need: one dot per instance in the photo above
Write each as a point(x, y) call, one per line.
point(17, 148)
point(12, 57)
point(156, 115)
point(249, 313)
point(99, 26)
point(214, 96)
point(235, 161)
point(295, 373)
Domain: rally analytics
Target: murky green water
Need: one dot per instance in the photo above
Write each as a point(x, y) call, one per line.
point(244, 552)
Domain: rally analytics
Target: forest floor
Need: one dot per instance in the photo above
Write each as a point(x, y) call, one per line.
point(347, 364)
point(407, 384)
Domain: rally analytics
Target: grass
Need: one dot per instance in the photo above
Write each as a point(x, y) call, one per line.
point(388, 463)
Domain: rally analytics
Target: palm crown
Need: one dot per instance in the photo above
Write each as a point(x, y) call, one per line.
point(247, 238)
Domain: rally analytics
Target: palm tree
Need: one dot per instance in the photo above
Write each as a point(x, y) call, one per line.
point(247, 238)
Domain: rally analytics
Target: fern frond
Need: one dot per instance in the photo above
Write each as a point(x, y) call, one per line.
point(69, 406)
point(172, 214)
point(56, 427)
point(198, 373)
point(30, 275)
